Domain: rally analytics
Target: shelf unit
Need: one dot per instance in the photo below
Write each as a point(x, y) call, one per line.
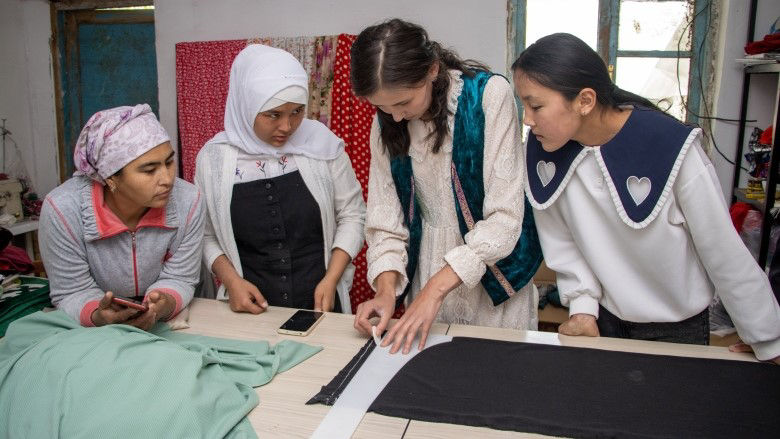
point(765, 205)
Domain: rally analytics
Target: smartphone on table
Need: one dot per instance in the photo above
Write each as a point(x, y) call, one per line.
point(301, 323)
point(135, 302)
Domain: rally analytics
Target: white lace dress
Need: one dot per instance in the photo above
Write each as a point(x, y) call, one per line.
point(492, 239)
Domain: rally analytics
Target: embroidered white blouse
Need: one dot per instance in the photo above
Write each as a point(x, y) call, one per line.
point(492, 239)
point(255, 167)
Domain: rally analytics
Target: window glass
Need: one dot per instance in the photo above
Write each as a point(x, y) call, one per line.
point(656, 79)
point(654, 25)
point(577, 17)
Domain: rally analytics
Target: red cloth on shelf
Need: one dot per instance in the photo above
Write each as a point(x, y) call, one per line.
point(202, 78)
point(770, 43)
point(738, 212)
point(766, 136)
point(15, 260)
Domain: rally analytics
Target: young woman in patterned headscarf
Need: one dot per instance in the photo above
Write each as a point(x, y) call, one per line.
point(123, 226)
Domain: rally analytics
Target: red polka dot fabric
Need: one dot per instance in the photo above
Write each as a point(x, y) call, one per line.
point(202, 79)
point(350, 119)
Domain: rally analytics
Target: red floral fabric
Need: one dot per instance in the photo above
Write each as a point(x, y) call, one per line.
point(202, 79)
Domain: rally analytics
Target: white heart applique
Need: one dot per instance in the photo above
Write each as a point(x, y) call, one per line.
point(546, 171)
point(638, 188)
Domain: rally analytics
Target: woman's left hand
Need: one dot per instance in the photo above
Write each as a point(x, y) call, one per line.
point(422, 312)
point(741, 346)
point(324, 295)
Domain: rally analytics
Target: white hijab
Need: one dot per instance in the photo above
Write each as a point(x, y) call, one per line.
point(259, 73)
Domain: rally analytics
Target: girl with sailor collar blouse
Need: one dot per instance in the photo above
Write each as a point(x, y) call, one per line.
point(629, 210)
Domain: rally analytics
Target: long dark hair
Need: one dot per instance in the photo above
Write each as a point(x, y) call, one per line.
point(565, 63)
point(397, 53)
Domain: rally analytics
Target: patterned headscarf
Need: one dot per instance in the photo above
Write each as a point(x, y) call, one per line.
point(115, 137)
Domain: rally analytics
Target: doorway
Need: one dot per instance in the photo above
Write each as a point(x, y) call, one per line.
point(105, 58)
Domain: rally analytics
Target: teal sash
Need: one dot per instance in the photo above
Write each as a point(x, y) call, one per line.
point(507, 275)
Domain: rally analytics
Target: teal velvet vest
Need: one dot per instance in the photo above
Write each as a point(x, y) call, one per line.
point(509, 274)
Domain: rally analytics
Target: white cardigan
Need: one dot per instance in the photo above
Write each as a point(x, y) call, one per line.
point(331, 182)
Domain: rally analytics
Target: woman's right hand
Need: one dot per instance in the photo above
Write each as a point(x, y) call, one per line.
point(244, 296)
point(580, 324)
point(382, 305)
point(108, 313)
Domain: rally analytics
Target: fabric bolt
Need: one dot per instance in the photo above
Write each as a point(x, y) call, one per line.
point(202, 77)
point(351, 120)
point(301, 47)
point(278, 233)
point(88, 251)
point(441, 241)
point(62, 380)
point(579, 392)
point(321, 79)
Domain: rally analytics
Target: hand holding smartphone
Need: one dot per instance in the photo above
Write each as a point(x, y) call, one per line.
point(135, 302)
point(301, 323)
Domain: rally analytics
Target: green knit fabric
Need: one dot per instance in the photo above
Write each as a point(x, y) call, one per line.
point(59, 379)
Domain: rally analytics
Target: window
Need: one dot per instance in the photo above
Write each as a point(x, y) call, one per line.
point(652, 47)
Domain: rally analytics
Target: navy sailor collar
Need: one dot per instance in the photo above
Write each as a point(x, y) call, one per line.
point(639, 164)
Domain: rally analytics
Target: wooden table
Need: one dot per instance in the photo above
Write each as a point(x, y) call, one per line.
point(282, 412)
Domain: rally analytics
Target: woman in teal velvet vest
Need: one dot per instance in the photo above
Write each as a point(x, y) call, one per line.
point(445, 224)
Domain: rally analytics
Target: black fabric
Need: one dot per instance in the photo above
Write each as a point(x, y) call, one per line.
point(578, 392)
point(278, 231)
point(693, 330)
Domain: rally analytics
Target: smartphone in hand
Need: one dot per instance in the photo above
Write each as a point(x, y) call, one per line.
point(135, 302)
point(301, 323)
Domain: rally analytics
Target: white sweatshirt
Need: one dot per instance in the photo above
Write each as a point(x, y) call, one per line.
point(667, 271)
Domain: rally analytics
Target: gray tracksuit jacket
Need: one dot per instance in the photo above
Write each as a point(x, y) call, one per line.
point(87, 250)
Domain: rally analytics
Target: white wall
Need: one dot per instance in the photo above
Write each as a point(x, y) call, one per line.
point(475, 29)
point(729, 78)
point(27, 88)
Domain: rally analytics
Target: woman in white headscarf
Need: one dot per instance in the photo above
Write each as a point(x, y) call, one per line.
point(285, 210)
point(123, 226)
